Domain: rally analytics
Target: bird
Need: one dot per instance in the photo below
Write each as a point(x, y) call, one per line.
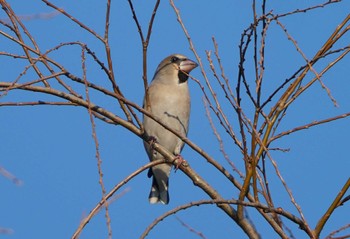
point(167, 98)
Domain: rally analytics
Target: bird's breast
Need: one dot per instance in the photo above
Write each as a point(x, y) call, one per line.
point(172, 106)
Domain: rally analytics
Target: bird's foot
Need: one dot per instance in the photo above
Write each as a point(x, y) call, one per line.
point(179, 160)
point(152, 140)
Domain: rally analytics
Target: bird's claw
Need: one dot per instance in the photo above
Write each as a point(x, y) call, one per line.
point(152, 140)
point(179, 160)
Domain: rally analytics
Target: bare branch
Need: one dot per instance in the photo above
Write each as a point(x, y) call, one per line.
point(10, 176)
point(94, 135)
point(330, 236)
point(82, 25)
point(109, 195)
point(307, 126)
point(330, 210)
point(217, 202)
point(190, 228)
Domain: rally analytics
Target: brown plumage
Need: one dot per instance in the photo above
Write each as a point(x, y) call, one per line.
point(169, 100)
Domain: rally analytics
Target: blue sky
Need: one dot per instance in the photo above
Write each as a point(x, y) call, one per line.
point(51, 150)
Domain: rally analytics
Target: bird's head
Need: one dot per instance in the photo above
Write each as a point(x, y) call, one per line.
point(174, 67)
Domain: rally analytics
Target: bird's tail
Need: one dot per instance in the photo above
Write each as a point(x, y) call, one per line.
point(158, 195)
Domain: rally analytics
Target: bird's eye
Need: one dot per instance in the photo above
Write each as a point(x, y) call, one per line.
point(174, 59)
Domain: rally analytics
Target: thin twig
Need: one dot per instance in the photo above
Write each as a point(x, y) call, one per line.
point(65, 13)
point(218, 202)
point(307, 126)
point(330, 210)
point(318, 76)
point(109, 195)
point(10, 176)
point(330, 236)
point(191, 229)
point(36, 103)
point(94, 135)
point(219, 139)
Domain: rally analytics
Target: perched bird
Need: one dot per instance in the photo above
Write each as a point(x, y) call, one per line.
point(169, 100)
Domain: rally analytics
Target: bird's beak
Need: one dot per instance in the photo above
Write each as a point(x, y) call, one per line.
point(187, 65)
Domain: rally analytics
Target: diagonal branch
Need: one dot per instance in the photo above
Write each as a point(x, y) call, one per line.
point(330, 210)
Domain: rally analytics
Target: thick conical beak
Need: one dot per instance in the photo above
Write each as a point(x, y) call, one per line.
point(187, 65)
